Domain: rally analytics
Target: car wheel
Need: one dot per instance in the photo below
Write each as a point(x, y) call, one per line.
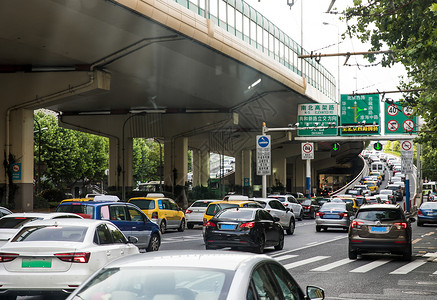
point(291, 226)
point(313, 215)
point(162, 226)
point(190, 225)
point(154, 243)
point(182, 226)
point(280, 245)
point(352, 253)
point(261, 244)
point(300, 216)
point(318, 228)
point(408, 253)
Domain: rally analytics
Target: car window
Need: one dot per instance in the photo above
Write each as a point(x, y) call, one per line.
point(291, 199)
point(143, 203)
point(290, 289)
point(118, 213)
point(236, 214)
point(83, 210)
point(200, 204)
point(276, 205)
point(135, 215)
point(15, 222)
point(262, 203)
point(265, 287)
point(380, 215)
point(164, 204)
point(263, 215)
point(116, 234)
point(173, 205)
point(102, 236)
point(255, 205)
point(104, 212)
point(51, 233)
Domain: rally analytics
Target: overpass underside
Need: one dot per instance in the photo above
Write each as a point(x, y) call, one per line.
point(148, 69)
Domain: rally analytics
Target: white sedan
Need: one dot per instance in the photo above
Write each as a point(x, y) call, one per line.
point(53, 257)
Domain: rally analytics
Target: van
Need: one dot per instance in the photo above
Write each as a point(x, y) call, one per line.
point(378, 167)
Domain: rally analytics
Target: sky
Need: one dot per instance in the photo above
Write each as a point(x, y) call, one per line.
point(317, 36)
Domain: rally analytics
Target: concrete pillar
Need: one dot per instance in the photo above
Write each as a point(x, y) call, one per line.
point(200, 167)
point(243, 168)
point(196, 167)
point(114, 174)
point(127, 173)
point(176, 161)
point(279, 169)
point(21, 149)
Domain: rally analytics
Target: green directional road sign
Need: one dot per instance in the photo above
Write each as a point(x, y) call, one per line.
point(399, 119)
point(336, 146)
point(360, 114)
point(377, 146)
point(317, 115)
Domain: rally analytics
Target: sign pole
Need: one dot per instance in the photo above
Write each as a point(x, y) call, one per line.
point(407, 192)
point(308, 181)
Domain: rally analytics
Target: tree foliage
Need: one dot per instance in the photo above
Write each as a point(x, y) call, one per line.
point(146, 160)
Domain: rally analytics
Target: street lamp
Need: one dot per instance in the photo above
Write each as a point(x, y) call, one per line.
point(38, 187)
point(338, 59)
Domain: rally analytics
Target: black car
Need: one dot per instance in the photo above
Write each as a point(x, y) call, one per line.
point(397, 191)
point(310, 207)
point(246, 228)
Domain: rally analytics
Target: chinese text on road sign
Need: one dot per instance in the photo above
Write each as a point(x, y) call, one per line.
point(263, 155)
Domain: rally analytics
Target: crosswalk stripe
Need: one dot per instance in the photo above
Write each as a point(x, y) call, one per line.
point(284, 257)
point(333, 265)
point(304, 262)
point(409, 267)
point(370, 266)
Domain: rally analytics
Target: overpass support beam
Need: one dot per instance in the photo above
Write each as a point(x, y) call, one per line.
point(201, 167)
point(175, 161)
point(243, 170)
point(21, 156)
point(279, 170)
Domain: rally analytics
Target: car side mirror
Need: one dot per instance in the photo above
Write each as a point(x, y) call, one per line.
point(132, 239)
point(315, 293)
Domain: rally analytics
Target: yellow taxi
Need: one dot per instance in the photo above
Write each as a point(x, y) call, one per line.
point(351, 200)
point(378, 174)
point(372, 185)
point(162, 211)
point(215, 207)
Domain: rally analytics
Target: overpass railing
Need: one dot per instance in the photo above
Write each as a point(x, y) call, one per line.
point(355, 181)
point(243, 21)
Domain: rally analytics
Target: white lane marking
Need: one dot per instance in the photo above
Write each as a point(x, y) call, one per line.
point(333, 265)
point(309, 246)
point(284, 257)
point(371, 266)
point(304, 262)
point(409, 267)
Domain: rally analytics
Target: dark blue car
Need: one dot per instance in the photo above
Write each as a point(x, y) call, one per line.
point(427, 213)
point(126, 216)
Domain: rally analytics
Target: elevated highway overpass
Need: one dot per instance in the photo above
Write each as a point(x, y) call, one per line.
point(200, 75)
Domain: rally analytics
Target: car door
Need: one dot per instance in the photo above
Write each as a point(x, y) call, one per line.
point(119, 216)
point(120, 244)
point(103, 238)
point(139, 226)
point(278, 210)
point(267, 222)
point(170, 213)
point(297, 208)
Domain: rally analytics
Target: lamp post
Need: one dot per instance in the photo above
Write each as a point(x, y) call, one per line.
point(338, 59)
point(38, 185)
point(123, 189)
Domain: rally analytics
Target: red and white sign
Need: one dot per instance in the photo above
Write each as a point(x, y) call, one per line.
point(307, 150)
point(392, 110)
point(392, 125)
point(408, 125)
point(408, 111)
point(407, 146)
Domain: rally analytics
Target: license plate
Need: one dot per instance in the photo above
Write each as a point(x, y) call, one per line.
point(227, 227)
point(36, 263)
point(378, 229)
point(331, 217)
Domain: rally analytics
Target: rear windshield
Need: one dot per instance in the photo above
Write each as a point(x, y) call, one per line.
point(51, 233)
point(329, 206)
point(426, 205)
point(236, 214)
point(200, 204)
point(15, 222)
point(380, 215)
point(143, 203)
point(83, 210)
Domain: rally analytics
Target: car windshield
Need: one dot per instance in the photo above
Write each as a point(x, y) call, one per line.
point(15, 222)
point(333, 206)
point(200, 204)
point(236, 214)
point(215, 208)
point(143, 203)
point(429, 205)
point(379, 215)
point(83, 210)
point(154, 283)
point(51, 233)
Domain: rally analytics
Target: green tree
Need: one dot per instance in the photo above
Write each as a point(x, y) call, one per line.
point(146, 160)
point(409, 29)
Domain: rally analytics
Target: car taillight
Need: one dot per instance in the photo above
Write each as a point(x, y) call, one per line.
point(355, 224)
point(401, 225)
point(419, 212)
point(285, 204)
point(209, 224)
point(344, 215)
point(155, 215)
point(247, 225)
point(5, 257)
point(75, 257)
point(308, 207)
point(319, 214)
point(188, 211)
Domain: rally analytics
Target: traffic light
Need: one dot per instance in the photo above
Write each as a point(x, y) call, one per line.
point(377, 146)
point(336, 146)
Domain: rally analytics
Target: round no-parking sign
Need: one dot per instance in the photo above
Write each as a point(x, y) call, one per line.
point(307, 150)
point(406, 146)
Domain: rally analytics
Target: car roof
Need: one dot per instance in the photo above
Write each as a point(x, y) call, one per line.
point(378, 206)
point(69, 221)
point(43, 215)
point(233, 201)
point(223, 260)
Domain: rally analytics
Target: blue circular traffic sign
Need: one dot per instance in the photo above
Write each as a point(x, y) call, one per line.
point(263, 141)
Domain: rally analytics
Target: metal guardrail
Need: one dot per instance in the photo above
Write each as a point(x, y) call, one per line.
point(356, 180)
point(243, 21)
